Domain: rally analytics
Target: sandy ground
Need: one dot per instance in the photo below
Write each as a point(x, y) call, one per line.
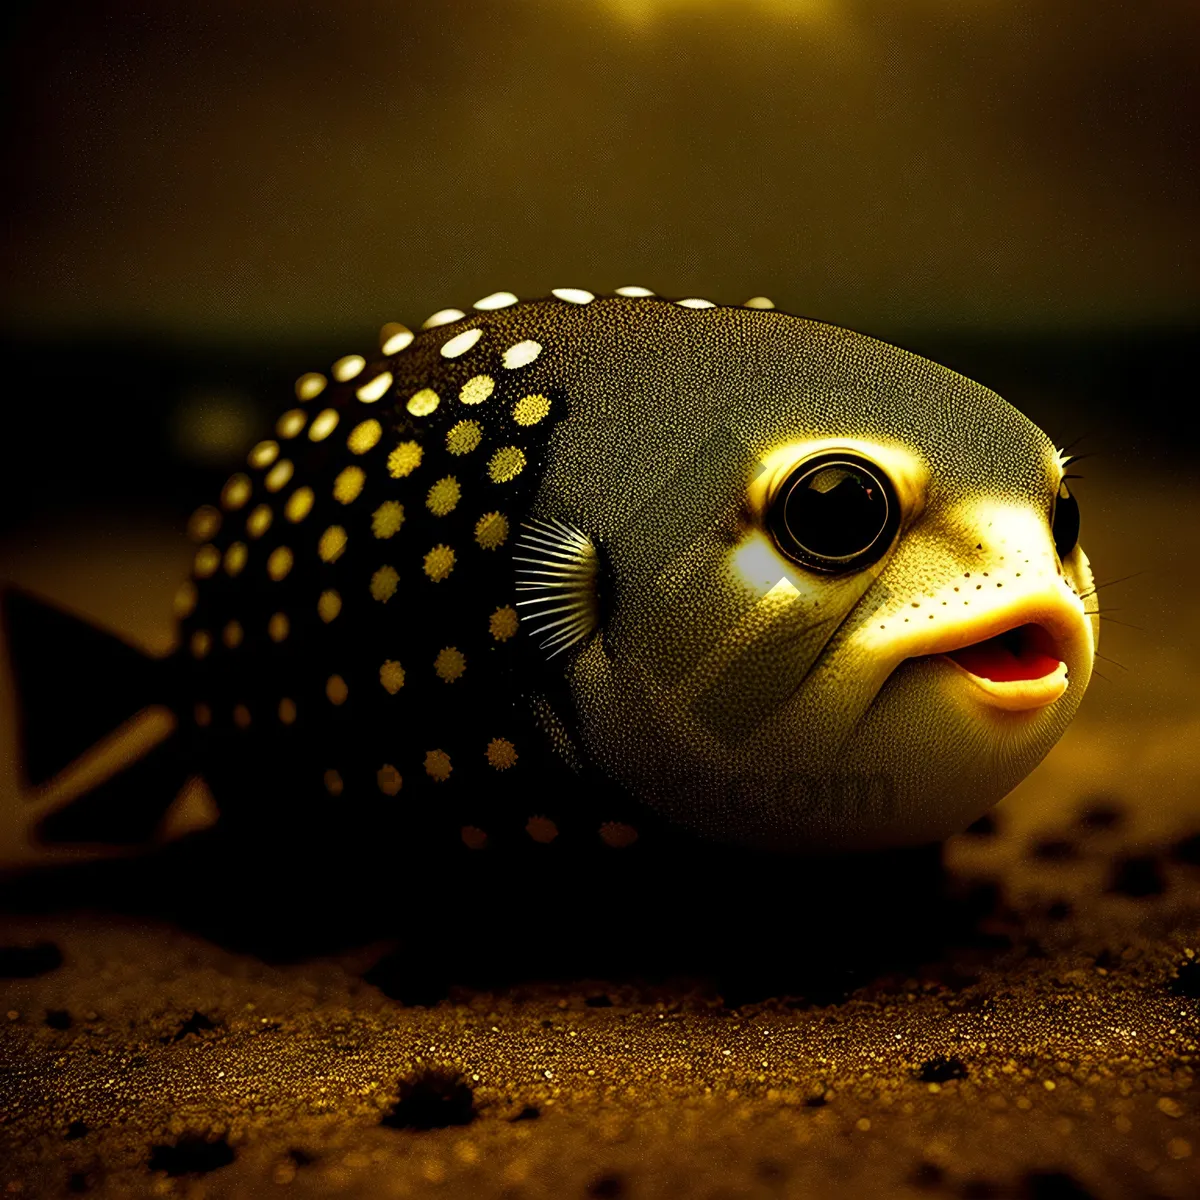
point(1023, 1022)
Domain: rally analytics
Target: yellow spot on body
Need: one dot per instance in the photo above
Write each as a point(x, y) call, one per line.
point(506, 464)
point(464, 437)
point(299, 504)
point(204, 524)
point(185, 599)
point(388, 780)
point(279, 475)
point(202, 715)
point(279, 563)
point(422, 403)
point(437, 765)
point(460, 343)
point(443, 316)
point(529, 410)
point(404, 460)
point(387, 519)
point(364, 436)
point(349, 484)
point(291, 423)
point(263, 455)
point(503, 623)
point(695, 302)
point(206, 562)
point(632, 290)
point(287, 711)
point(439, 562)
point(235, 558)
point(759, 302)
point(450, 664)
point(259, 521)
point(347, 367)
point(324, 423)
point(332, 544)
point(473, 837)
point(521, 355)
point(391, 675)
point(394, 337)
point(491, 530)
point(541, 829)
point(333, 783)
point(617, 834)
point(444, 496)
point(501, 754)
point(376, 389)
point(384, 583)
point(310, 385)
point(201, 643)
point(236, 492)
point(241, 716)
point(329, 604)
point(336, 689)
point(477, 389)
point(573, 295)
point(494, 301)
point(278, 627)
point(232, 635)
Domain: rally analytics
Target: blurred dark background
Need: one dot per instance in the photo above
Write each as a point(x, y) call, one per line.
point(202, 201)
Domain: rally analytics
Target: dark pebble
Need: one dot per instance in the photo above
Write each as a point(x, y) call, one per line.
point(1138, 877)
point(432, 1100)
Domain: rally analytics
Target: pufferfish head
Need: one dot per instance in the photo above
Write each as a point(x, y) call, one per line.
point(841, 600)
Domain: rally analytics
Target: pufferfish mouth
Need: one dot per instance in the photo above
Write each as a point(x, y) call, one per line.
point(1019, 668)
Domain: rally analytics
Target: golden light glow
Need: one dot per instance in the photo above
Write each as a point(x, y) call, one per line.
point(236, 491)
point(444, 496)
point(292, 423)
point(759, 302)
point(450, 664)
point(279, 563)
point(437, 765)
point(529, 410)
point(388, 780)
point(329, 604)
point(299, 505)
point(463, 437)
point(201, 643)
point(384, 583)
point(496, 300)
point(422, 403)
point(573, 295)
point(364, 436)
point(387, 519)
point(348, 368)
point(241, 716)
point(439, 562)
point(332, 545)
point(443, 316)
point(348, 486)
point(232, 635)
point(521, 355)
point(278, 627)
point(477, 389)
point(287, 711)
point(506, 464)
point(310, 386)
point(503, 623)
point(279, 475)
point(634, 290)
point(259, 521)
point(404, 460)
point(235, 558)
point(206, 562)
point(324, 423)
point(204, 524)
point(460, 343)
point(263, 455)
point(336, 689)
point(333, 783)
point(491, 530)
point(391, 675)
point(185, 599)
point(501, 754)
point(376, 389)
point(394, 337)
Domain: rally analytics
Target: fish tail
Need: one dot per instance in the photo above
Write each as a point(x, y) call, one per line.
point(76, 684)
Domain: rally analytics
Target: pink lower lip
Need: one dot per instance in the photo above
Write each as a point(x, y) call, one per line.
point(1023, 653)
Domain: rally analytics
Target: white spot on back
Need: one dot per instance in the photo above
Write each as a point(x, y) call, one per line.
point(444, 316)
point(394, 337)
point(495, 300)
point(693, 302)
point(573, 295)
point(759, 302)
point(346, 368)
point(370, 392)
point(521, 355)
point(461, 343)
point(634, 291)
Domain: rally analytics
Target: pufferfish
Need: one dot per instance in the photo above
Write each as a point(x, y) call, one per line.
point(599, 572)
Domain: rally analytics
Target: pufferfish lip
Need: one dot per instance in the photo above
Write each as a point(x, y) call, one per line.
point(1021, 667)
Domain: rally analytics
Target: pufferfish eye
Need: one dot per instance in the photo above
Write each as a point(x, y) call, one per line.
point(1064, 521)
point(836, 512)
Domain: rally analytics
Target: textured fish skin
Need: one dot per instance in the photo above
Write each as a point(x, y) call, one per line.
point(350, 645)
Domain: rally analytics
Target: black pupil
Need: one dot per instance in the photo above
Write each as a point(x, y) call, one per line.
point(836, 511)
point(1066, 522)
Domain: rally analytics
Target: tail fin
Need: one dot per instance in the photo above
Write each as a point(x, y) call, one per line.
point(75, 683)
